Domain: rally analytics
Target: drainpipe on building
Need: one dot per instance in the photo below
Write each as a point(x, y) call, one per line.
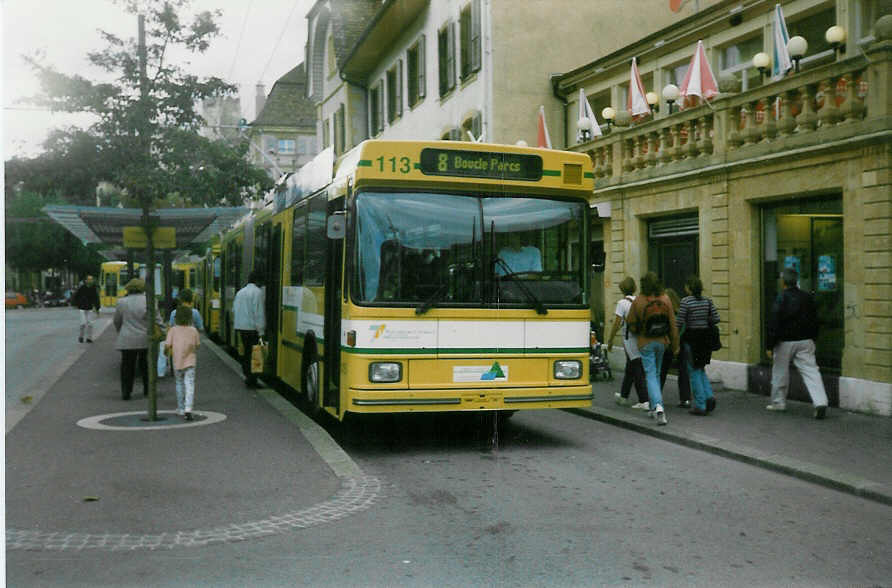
point(563, 99)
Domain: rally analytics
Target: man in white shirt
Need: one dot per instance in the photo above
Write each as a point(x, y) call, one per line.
point(250, 322)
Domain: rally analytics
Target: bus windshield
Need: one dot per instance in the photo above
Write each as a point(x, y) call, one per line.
point(463, 250)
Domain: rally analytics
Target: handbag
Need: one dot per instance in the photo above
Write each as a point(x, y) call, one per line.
point(258, 357)
point(715, 340)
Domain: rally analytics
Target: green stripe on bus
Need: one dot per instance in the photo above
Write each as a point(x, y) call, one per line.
point(551, 172)
point(589, 174)
point(463, 351)
point(289, 307)
point(364, 163)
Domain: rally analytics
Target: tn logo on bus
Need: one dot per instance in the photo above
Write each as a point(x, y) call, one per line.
point(378, 329)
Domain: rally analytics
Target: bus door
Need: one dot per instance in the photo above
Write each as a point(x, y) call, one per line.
point(332, 330)
point(273, 281)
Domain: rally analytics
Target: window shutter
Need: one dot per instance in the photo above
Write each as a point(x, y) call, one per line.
point(421, 67)
point(450, 56)
point(380, 126)
point(475, 35)
point(477, 126)
point(442, 61)
point(398, 95)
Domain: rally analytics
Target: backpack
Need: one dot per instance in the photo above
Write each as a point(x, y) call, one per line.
point(656, 319)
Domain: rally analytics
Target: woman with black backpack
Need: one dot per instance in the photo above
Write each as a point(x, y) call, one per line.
point(650, 318)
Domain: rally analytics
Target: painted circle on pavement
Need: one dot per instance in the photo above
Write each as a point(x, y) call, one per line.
point(138, 421)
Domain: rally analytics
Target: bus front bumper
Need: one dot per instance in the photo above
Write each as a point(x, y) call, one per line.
point(459, 400)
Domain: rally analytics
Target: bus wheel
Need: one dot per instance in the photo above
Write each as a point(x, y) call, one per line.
point(310, 383)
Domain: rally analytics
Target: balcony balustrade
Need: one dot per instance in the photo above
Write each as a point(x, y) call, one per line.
point(816, 108)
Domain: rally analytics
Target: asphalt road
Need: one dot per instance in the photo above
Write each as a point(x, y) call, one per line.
point(41, 343)
point(561, 501)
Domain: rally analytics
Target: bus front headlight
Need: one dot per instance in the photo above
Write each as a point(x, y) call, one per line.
point(567, 369)
point(385, 372)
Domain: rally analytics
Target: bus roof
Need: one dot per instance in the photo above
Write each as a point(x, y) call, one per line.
point(487, 166)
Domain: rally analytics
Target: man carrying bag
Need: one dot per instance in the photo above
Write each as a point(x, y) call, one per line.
point(250, 323)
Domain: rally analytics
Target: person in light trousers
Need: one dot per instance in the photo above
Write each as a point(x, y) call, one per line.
point(86, 298)
point(181, 343)
point(792, 329)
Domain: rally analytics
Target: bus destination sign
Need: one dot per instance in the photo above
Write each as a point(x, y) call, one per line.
point(481, 164)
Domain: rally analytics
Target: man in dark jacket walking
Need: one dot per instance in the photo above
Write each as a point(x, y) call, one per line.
point(792, 329)
point(86, 299)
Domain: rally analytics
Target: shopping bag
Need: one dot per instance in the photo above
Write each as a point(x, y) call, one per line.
point(258, 357)
point(162, 361)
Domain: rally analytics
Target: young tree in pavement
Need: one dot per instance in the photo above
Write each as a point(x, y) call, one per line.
point(146, 116)
point(145, 138)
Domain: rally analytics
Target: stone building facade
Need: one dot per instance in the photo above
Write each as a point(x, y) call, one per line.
point(795, 171)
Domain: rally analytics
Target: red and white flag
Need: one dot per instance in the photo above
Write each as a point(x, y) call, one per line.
point(636, 102)
point(699, 81)
point(543, 139)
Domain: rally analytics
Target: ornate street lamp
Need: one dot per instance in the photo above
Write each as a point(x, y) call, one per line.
point(797, 46)
point(609, 114)
point(670, 95)
point(762, 62)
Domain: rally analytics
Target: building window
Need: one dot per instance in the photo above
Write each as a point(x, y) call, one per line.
point(813, 28)
point(395, 92)
point(326, 134)
point(339, 131)
point(332, 61)
point(470, 39)
point(739, 58)
point(415, 69)
point(287, 146)
point(306, 145)
point(270, 144)
point(865, 17)
point(376, 109)
point(446, 54)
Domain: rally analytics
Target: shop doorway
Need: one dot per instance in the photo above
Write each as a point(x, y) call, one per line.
point(673, 250)
point(808, 236)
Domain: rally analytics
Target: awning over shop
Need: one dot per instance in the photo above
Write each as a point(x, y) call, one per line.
point(106, 225)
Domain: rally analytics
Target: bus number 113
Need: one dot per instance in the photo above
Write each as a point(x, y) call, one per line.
point(405, 164)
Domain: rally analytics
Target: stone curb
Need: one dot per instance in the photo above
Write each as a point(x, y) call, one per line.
point(803, 470)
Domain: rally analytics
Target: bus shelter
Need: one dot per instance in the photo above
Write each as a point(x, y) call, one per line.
point(109, 226)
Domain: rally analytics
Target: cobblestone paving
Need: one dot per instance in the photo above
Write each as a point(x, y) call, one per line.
point(355, 495)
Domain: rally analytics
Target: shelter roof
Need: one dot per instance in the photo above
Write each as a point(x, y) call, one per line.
point(106, 225)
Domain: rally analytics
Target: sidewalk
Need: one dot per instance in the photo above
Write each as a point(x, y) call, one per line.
point(847, 451)
point(249, 465)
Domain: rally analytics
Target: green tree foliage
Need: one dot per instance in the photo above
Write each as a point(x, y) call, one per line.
point(33, 242)
point(146, 137)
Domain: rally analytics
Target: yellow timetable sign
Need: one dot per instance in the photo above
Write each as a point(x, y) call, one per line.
point(162, 238)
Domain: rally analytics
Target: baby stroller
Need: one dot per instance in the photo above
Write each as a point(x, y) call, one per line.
point(599, 367)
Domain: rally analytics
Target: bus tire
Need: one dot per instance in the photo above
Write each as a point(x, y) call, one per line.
point(309, 378)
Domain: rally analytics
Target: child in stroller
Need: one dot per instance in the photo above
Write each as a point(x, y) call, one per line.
point(599, 367)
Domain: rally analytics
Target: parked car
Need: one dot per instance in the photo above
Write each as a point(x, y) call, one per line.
point(52, 299)
point(16, 300)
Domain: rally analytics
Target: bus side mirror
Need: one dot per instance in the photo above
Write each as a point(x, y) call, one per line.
point(598, 259)
point(336, 226)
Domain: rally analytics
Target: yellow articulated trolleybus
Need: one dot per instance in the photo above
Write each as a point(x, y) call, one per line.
point(431, 276)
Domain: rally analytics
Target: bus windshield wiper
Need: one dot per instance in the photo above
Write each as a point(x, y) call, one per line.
point(528, 294)
point(432, 299)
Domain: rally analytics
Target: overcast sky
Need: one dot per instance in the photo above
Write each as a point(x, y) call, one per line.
point(260, 41)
